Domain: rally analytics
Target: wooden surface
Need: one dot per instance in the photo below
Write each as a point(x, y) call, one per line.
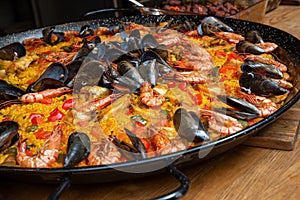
point(242, 173)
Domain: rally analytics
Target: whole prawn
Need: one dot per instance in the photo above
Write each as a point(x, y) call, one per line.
point(46, 157)
point(149, 96)
point(41, 96)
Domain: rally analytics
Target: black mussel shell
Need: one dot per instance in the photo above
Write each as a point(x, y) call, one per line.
point(52, 37)
point(89, 74)
point(9, 92)
point(8, 134)
point(149, 72)
point(56, 74)
point(86, 31)
point(78, 149)
point(248, 47)
point(239, 104)
point(12, 51)
point(210, 24)
point(189, 126)
point(254, 37)
point(259, 85)
point(149, 41)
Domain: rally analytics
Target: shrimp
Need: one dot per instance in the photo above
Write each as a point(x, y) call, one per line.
point(163, 145)
point(263, 104)
point(98, 103)
point(231, 37)
point(277, 64)
point(43, 95)
point(47, 156)
point(267, 46)
point(104, 153)
point(149, 96)
point(221, 123)
point(192, 77)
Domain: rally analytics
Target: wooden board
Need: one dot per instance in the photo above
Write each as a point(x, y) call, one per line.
point(281, 134)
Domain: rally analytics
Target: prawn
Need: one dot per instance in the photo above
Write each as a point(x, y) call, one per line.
point(149, 96)
point(46, 157)
point(43, 95)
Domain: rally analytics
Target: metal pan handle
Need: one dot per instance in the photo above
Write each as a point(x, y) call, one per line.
point(175, 194)
point(60, 189)
point(181, 190)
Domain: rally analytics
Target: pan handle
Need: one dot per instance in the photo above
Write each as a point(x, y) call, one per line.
point(181, 190)
point(60, 189)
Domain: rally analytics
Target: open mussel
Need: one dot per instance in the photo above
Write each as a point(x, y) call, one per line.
point(53, 77)
point(86, 31)
point(261, 68)
point(8, 134)
point(254, 37)
point(12, 51)
point(248, 47)
point(210, 24)
point(78, 149)
point(260, 85)
point(52, 37)
point(9, 92)
point(89, 74)
point(189, 126)
point(134, 151)
point(241, 109)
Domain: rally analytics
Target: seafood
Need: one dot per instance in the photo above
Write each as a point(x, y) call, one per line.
point(258, 84)
point(8, 134)
point(78, 149)
point(277, 64)
point(44, 95)
point(104, 153)
point(52, 37)
point(247, 47)
point(267, 46)
point(48, 154)
point(8, 91)
point(12, 51)
point(265, 106)
point(261, 68)
point(254, 37)
point(53, 77)
point(127, 92)
point(149, 96)
point(221, 123)
point(192, 77)
point(231, 37)
point(210, 25)
point(189, 126)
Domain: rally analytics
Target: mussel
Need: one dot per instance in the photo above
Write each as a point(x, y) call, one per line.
point(254, 37)
point(86, 31)
point(210, 24)
point(189, 126)
point(52, 37)
point(134, 151)
point(53, 77)
point(9, 92)
point(243, 110)
point(261, 68)
point(260, 85)
point(248, 47)
point(89, 74)
point(8, 134)
point(12, 51)
point(78, 149)
point(149, 71)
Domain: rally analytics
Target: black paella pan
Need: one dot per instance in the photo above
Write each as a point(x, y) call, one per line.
point(289, 53)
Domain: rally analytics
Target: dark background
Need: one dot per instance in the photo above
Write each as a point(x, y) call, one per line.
point(21, 15)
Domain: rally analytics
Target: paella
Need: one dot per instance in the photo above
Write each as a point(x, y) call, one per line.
point(125, 92)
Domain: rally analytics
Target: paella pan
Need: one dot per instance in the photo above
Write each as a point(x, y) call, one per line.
point(197, 105)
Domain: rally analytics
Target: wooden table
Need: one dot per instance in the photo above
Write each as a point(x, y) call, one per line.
point(242, 173)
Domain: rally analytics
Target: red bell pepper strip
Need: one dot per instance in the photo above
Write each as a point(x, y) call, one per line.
point(56, 115)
